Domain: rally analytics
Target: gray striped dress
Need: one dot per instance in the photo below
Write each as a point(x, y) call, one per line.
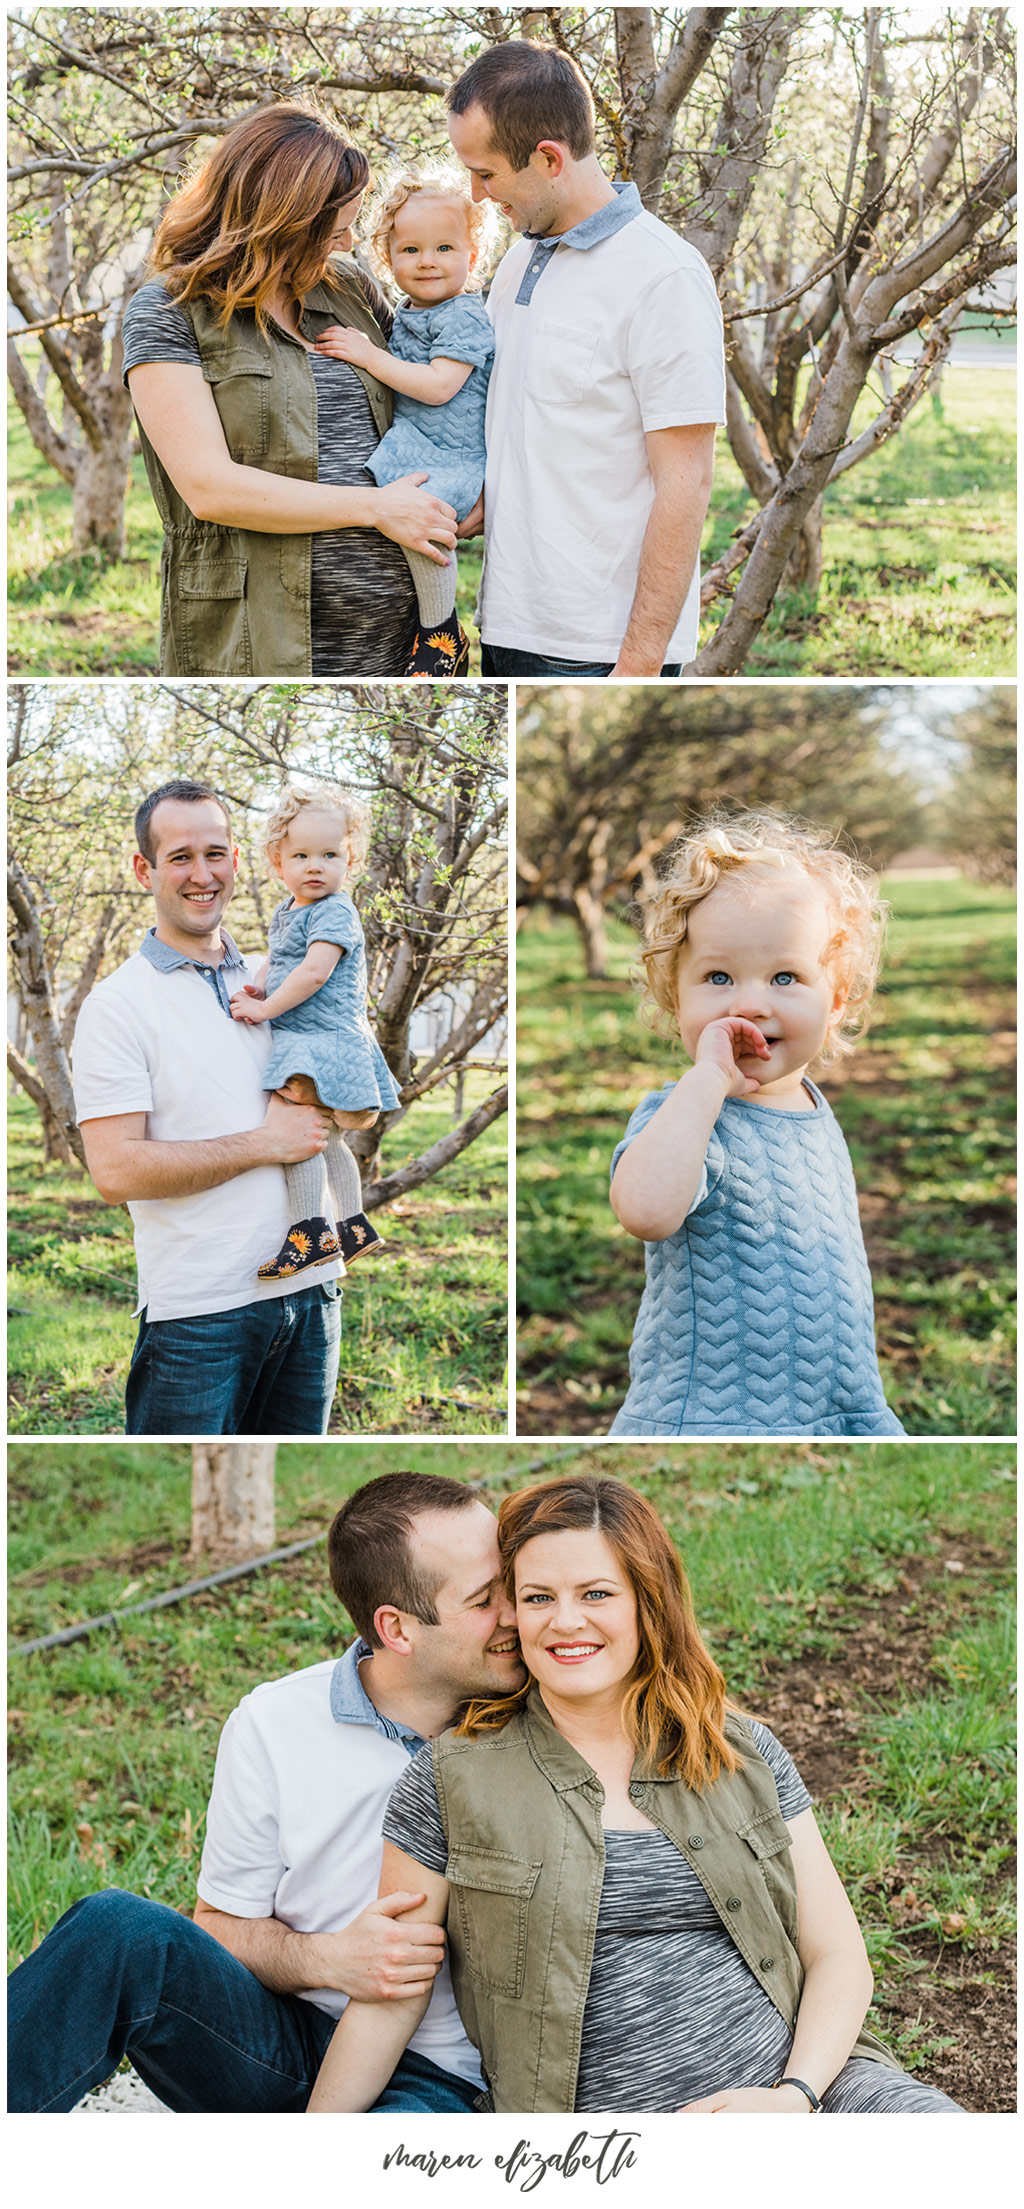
point(364, 616)
point(672, 2012)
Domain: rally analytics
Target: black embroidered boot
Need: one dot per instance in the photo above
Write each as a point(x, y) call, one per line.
point(440, 651)
point(358, 1238)
point(308, 1243)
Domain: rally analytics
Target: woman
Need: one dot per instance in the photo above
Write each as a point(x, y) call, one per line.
point(281, 555)
point(641, 1911)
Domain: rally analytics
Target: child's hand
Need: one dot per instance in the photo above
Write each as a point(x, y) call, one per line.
point(247, 1005)
point(723, 1043)
point(350, 345)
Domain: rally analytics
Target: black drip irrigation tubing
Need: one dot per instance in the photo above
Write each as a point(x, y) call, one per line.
point(219, 1579)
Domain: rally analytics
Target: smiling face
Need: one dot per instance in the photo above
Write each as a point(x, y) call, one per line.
point(429, 248)
point(757, 951)
point(192, 876)
point(576, 1614)
point(530, 197)
point(474, 1648)
point(312, 857)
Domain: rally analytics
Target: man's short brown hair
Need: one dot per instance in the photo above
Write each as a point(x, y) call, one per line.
point(369, 1547)
point(528, 93)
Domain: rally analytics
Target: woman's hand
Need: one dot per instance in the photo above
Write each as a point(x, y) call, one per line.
point(350, 345)
point(779, 2101)
point(413, 518)
point(723, 1043)
point(247, 1005)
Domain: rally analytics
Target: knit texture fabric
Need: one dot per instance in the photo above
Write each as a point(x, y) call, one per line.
point(447, 440)
point(757, 1316)
point(328, 1035)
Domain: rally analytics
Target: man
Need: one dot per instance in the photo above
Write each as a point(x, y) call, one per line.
point(608, 382)
point(234, 2011)
point(176, 1123)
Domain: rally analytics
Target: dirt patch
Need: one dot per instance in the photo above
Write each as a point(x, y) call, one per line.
point(964, 1996)
point(551, 1410)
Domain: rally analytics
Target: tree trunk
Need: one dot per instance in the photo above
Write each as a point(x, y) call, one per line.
point(588, 913)
point(232, 1501)
point(807, 559)
point(98, 495)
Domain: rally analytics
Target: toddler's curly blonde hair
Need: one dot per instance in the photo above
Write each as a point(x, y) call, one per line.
point(441, 180)
point(725, 847)
point(323, 797)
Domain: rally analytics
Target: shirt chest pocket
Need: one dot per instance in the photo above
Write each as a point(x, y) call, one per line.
point(240, 383)
point(561, 363)
point(488, 1915)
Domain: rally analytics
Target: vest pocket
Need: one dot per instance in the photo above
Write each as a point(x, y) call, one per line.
point(488, 1915)
point(213, 622)
point(768, 1838)
point(241, 391)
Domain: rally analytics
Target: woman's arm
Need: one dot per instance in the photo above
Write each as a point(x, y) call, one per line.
point(434, 381)
point(371, 2037)
point(657, 1178)
point(176, 408)
point(837, 1984)
point(315, 969)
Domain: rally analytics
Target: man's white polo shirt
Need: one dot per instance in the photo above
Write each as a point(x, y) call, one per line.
point(304, 1771)
point(155, 1037)
point(603, 334)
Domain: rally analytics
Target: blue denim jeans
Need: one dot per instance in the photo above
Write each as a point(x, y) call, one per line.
point(119, 1976)
point(500, 659)
point(266, 1368)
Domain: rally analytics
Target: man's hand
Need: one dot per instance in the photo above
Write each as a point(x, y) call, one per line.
point(681, 462)
point(473, 526)
point(378, 1958)
point(292, 1132)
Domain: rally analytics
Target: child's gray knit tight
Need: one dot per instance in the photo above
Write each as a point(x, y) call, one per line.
point(334, 1169)
point(435, 587)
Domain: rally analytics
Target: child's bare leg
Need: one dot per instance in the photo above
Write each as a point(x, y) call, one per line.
point(311, 1237)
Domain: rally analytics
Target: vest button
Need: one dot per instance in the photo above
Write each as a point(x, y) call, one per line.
point(767, 1963)
point(696, 1841)
point(734, 1903)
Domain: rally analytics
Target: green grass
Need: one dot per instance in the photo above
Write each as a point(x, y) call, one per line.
point(792, 1553)
point(920, 547)
point(78, 614)
point(920, 558)
point(423, 1326)
point(926, 1104)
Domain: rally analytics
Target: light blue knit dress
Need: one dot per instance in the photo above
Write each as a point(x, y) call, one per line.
point(447, 440)
point(329, 1036)
point(757, 1317)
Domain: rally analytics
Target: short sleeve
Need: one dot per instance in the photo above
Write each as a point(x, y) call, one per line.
point(793, 1795)
point(110, 1071)
point(242, 1867)
point(675, 351)
point(155, 329)
point(412, 1820)
point(461, 331)
point(334, 920)
point(714, 1156)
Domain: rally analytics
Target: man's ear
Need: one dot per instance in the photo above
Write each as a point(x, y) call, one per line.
point(143, 871)
point(389, 1624)
point(553, 155)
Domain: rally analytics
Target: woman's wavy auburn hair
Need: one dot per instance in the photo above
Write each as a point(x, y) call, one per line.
point(436, 180)
point(675, 1703)
point(321, 797)
point(262, 205)
point(857, 915)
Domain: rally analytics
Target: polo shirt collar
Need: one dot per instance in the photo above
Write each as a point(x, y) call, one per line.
point(166, 960)
point(594, 228)
point(351, 1705)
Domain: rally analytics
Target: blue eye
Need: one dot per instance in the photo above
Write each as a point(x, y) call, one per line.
point(719, 977)
point(784, 978)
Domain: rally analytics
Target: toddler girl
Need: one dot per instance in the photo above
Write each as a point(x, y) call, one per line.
point(762, 948)
point(312, 986)
point(427, 234)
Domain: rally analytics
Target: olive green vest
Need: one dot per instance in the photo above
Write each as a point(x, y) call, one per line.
point(522, 1815)
point(237, 601)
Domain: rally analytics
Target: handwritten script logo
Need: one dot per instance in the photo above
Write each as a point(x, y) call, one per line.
point(601, 2156)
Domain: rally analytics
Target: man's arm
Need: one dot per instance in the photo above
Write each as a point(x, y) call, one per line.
point(681, 463)
point(378, 1957)
point(127, 1166)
